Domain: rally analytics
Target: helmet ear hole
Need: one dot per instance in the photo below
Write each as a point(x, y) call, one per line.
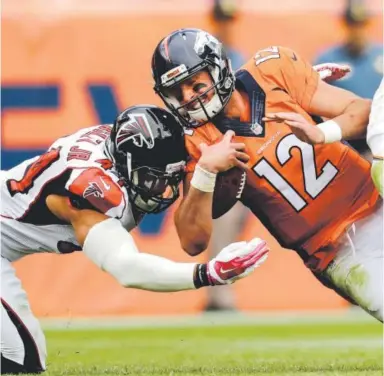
point(215, 73)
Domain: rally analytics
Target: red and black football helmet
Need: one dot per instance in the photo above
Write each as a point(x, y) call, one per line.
point(179, 56)
point(147, 147)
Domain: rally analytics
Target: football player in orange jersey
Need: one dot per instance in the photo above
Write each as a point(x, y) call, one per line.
point(317, 199)
point(375, 133)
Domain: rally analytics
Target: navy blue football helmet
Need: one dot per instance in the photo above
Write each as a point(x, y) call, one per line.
point(181, 55)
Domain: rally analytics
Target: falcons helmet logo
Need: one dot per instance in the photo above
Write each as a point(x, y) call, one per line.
point(136, 129)
point(93, 189)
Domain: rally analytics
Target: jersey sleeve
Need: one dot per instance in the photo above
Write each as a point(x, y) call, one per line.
point(290, 71)
point(96, 188)
point(207, 134)
point(193, 153)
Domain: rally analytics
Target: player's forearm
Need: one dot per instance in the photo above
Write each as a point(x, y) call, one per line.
point(354, 119)
point(113, 249)
point(149, 272)
point(193, 221)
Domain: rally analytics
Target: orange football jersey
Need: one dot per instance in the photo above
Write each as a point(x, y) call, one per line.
point(305, 195)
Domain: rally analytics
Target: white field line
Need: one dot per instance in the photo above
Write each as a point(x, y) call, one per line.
point(206, 320)
point(372, 342)
point(264, 344)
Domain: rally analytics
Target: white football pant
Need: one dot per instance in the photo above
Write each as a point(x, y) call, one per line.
point(357, 269)
point(23, 346)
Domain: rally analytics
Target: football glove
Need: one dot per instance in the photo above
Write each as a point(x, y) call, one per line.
point(236, 261)
point(331, 72)
point(377, 174)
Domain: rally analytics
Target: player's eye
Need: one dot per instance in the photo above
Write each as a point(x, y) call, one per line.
point(199, 87)
point(175, 92)
point(179, 94)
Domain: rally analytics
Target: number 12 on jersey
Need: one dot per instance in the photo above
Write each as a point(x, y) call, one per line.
point(313, 184)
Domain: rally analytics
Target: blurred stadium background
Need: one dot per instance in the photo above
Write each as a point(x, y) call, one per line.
point(68, 64)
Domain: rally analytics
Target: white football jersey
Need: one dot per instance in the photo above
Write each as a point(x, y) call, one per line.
point(375, 130)
point(74, 166)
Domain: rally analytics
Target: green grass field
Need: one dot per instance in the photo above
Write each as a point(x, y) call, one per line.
point(263, 348)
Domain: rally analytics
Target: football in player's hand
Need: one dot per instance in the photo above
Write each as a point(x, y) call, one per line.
point(228, 189)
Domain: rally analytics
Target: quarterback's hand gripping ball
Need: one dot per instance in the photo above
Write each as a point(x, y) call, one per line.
point(236, 261)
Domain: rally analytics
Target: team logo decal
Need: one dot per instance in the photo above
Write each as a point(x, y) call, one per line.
point(257, 128)
point(93, 189)
point(136, 129)
point(204, 39)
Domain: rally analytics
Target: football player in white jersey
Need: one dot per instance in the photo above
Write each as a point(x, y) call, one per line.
point(84, 193)
point(375, 137)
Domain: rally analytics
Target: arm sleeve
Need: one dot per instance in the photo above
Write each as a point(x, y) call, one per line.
point(192, 143)
point(113, 249)
point(207, 134)
point(283, 67)
point(300, 79)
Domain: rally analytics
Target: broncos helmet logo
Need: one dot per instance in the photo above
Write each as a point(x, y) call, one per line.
point(136, 129)
point(203, 40)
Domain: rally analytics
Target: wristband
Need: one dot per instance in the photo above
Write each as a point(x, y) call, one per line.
point(201, 277)
point(203, 180)
point(331, 130)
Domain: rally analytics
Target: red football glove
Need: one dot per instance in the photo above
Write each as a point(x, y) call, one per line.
point(331, 72)
point(236, 261)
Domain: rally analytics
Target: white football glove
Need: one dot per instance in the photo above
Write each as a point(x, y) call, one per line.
point(331, 72)
point(377, 173)
point(237, 261)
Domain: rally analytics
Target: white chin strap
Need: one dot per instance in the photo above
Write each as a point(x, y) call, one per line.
point(212, 108)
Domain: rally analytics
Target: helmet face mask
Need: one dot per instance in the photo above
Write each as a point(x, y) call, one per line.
point(151, 190)
point(202, 107)
point(179, 57)
point(148, 151)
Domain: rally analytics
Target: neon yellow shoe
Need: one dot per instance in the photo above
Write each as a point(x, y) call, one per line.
point(377, 174)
